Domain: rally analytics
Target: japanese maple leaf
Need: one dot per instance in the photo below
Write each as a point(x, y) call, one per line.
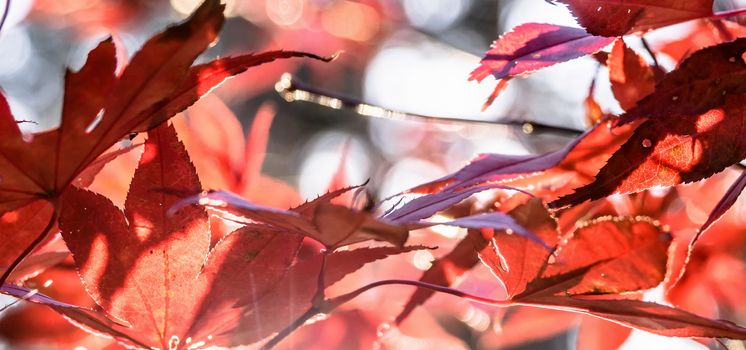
point(695, 119)
point(533, 46)
point(702, 82)
point(100, 108)
point(86, 318)
point(589, 267)
point(335, 225)
point(631, 77)
point(580, 157)
point(154, 269)
point(620, 17)
point(702, 33)
point(228, 159)
point(24, 225)
point(294, 294)
point(18, 326)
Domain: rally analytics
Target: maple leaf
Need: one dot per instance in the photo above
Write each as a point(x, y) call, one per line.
point(702, 82)
point(494, 167)
point(135, 264)
point(545, 175)
point(330, 224)
point(607, 256)
point(86, 318)
point(620, 17)
point(670, 151)
point(294, 294)
point(155, 85)
point(703, 33)
point(18, 326)
point(154, 269)
point(24, 225)
point(651, 317)
point(631, 77)
point(148, 268)
point(695, 119)
point(426, 206)
point(593, 112)
point(533, 46)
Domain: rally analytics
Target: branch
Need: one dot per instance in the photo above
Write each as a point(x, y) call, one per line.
point(293, 90)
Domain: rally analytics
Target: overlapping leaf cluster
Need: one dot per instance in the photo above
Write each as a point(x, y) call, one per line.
point(575, 230)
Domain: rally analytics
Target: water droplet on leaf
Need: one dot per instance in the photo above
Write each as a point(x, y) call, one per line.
point(647, 143)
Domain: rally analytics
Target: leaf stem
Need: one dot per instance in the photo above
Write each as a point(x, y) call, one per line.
point(312, 311)
point(293, 90)
point(30, 248)
point(337, 301)
point(318, 299)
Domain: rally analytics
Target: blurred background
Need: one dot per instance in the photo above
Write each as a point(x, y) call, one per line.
point(405, 55)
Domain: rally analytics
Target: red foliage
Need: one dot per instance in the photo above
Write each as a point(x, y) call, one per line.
point(619, 17)
point(151, 260)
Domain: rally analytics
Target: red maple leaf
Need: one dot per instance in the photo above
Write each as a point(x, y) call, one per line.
point(153, 268)
point(533, 46)
point(589, 267)
point(631, 77)
point(695, 121)
point(620, 17)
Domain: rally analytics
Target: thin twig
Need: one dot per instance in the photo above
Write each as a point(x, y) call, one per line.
point(293, 90)
point(337, 301)
point(320, 296)
point(650, 51)
point(30, 248)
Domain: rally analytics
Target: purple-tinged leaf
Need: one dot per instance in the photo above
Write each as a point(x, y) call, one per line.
point(84, 317)
point(331, 224)
point(495, 221)
point(494, 167)
point(533, 46)
point(426, 206)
